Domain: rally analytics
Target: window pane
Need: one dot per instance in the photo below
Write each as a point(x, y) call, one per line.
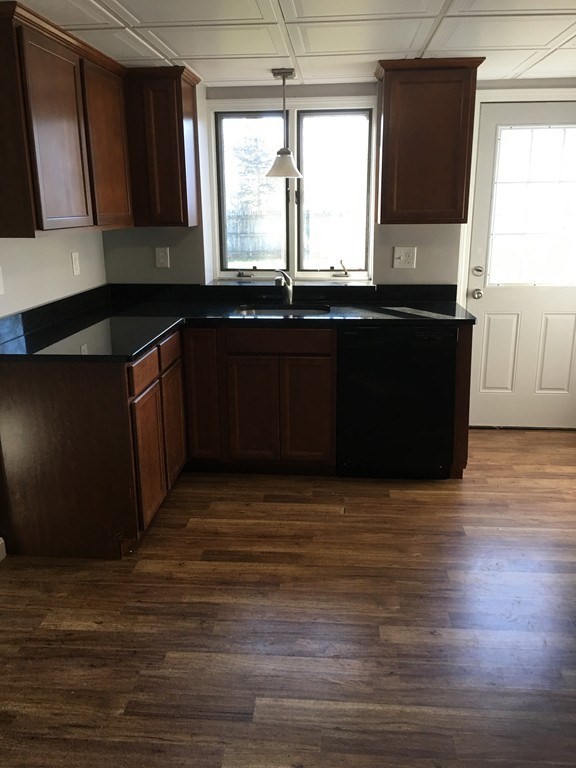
point(533, 234)
point(252, 206)
point(333, 214)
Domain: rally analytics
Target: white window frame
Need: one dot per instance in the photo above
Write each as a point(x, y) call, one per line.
point(294, 105)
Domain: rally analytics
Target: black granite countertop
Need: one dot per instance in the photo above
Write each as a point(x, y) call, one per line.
point(115, 338)
point(121, 331)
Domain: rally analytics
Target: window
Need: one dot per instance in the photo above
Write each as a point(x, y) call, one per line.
point(252, 206)
point(533, 231)
point(333, 210)
point(320, 224)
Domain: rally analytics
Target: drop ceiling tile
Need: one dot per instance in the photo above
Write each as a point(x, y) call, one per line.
point(118, 43)
point(298, 10)
point(540, 7)
point(498, 64)
point(359, 36)
point(71, 13)
point(230, 72)
point(556, 64)
point(193, 11)
point(482, 33)
point(217, 42)
point(340, 69)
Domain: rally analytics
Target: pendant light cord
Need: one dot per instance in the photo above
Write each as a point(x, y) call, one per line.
point(284, 110)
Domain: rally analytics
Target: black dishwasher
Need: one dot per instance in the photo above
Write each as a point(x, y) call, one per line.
point(395, 413)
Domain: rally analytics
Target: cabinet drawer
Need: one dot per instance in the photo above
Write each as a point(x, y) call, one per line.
point(265, 341)
point(143, 372)
point(169, 351)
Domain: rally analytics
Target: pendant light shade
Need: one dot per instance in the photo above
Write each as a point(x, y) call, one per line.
point(284, 166)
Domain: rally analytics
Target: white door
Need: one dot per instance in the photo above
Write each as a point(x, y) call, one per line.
point(522, 280)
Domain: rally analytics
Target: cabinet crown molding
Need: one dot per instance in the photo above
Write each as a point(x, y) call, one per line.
point(431, 63)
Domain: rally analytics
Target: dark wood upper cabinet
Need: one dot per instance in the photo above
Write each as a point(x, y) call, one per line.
point(161, 118)
point(425, 143)
point(62, 138)
point(53, 90)
point(107, 146)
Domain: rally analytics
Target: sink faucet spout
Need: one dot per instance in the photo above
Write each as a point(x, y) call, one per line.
point(287, 285)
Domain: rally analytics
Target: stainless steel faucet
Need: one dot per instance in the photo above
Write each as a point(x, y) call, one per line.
point(287, 285)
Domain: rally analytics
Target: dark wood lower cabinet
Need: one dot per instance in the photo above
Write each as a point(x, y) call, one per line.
point(67, 459)
point(260, 397)
point(148, 428)
point(253, 408)
point(280, 409)
point(158, 423)
point(306, 409)
point(174, 421)
point(88, 451)
point(201, 361)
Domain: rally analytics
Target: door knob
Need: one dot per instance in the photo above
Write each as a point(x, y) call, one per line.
point(477, 293)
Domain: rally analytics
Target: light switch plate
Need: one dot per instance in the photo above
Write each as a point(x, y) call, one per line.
point(404, 257)
point(75, 263)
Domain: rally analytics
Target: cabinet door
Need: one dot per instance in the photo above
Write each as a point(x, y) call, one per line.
point(107, 149)
point(306, 408)
point(426, 143)
point(149, 451)
point(54, 95)
point(253, 408)
point(174, 421)
point(161, 116)
point(202, 392)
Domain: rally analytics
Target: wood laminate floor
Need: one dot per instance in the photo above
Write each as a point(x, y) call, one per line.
point(289, 622)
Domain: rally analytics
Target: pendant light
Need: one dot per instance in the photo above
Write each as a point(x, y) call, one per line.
point(284, 165)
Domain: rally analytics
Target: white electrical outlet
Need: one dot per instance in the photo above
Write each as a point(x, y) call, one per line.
point(75, 263)
point(163, 257)
point(1, 282)
point(84, 349)
point(404, 257)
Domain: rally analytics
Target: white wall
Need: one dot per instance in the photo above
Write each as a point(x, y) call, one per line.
point(436, 258)
point(130, 255)
point(39, 270)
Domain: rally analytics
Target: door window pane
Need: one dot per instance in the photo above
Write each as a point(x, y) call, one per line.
point(252, 206)
point(333, 210)
point(533, 233)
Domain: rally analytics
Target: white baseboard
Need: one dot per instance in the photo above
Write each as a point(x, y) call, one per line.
point(2, 549)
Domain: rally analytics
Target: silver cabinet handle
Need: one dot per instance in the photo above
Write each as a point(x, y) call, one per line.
point(477, 293)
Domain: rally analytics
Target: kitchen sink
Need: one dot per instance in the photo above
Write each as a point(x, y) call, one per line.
point(282, 310)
